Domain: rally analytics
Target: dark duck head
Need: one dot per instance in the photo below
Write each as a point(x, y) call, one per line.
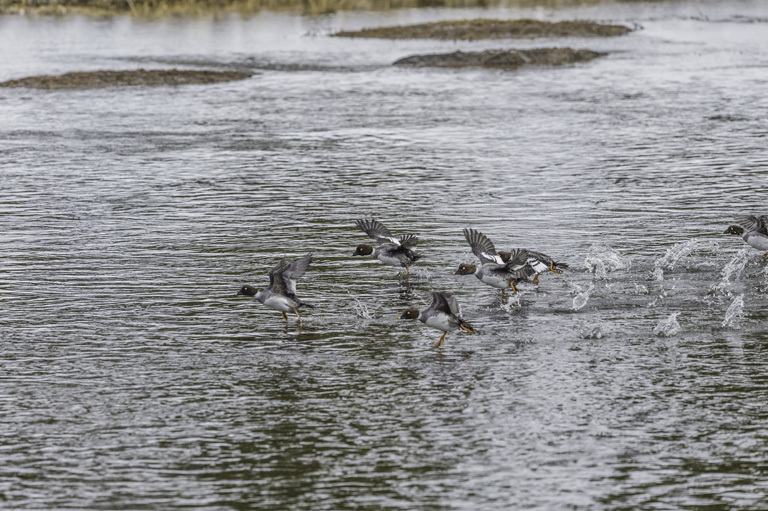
point(734, 230)
point(409, 314)
point(363, 250)
point(466, 269)
point(248, 291)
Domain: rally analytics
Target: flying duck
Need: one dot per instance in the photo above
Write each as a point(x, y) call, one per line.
point(754, 231)
point(281, 293)
point(443, 314)
point(484, 249)
point(390, 250)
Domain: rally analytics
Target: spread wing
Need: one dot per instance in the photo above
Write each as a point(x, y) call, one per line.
point(276, 282)
point(482, 247)
point(445, 303)
point(536, 260)
point(293, 272)
point(376, 230)
point(453, 305)
point(513, 268)
point(409, 241)
point(521, 272)
point(753, 223)
point(517, 256)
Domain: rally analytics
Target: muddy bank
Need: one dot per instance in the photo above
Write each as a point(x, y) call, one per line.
point(504, 59)
point(492, 29)
point(138, 77)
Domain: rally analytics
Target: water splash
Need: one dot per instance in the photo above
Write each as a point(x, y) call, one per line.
point(360, 309)
point(657, 274)
point(735, 313)
point(417, 275)
point(513, 302)
point(732, 270)
point(593, 333)
point(730, 273)
point(668, 327)
point(677, 252)
point(582, 296)
point(602, 259)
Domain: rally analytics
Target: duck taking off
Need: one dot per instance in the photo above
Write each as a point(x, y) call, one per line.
point(391, 251)
point(443, 314)
point(752, 229)
point(281, 293)
point(484, 249)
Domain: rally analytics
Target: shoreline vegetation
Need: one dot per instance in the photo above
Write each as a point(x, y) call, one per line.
point(160, 8)
point(138, 77)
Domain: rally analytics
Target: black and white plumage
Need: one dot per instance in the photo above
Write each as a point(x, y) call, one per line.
point(752, 229)
point(484, 249)
point(443, 314)
point(390, 250)
point(281, 293)
point(501, 276)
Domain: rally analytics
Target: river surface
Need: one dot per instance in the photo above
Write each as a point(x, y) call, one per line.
point(133, 377)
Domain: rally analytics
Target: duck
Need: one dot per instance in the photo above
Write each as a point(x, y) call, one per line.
point(752, 229)
point(484, 249)
point(391, 251)
point(501, 276)
point(281, 293)
point(443, 314)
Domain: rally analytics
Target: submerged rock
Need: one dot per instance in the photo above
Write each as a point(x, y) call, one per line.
point(143, 77)
point(504, 59)
point(491, 29)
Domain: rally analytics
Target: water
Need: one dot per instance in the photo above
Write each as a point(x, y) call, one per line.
point(134, 378)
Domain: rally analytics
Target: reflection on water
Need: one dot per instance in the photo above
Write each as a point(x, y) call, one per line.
point(133, 377)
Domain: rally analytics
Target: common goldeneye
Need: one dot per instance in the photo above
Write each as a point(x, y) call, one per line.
point(281, 293)
point(484, 249)
point(390, 250)
point(754, 231)
point(443, 314)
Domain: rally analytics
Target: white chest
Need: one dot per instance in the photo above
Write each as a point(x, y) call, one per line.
point(388, 260)
point(758, 241)
point(494, 280)
point(441, 322)
point(280, 303)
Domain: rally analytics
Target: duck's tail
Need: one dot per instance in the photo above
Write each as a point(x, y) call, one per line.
point(555, 266)
point(466, 327)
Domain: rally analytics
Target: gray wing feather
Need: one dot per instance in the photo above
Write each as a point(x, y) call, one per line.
point(752, 223)
point(445, 302)
point(524, 272)
point(764, 221)
point(518, 256)
point(376, 230)
point(276, 282)
point(453, 304)
point(295, 271)
point(409, 241)
point(481, 246)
